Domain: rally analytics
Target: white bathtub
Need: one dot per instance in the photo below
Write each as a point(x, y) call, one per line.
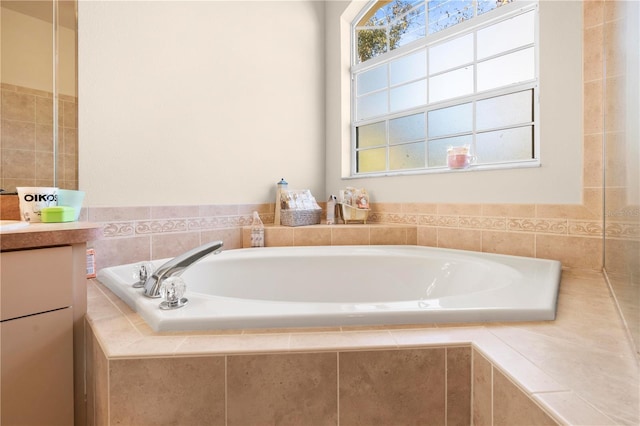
point(349, 285)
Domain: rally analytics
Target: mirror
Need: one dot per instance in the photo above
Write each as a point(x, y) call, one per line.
point(38, 80)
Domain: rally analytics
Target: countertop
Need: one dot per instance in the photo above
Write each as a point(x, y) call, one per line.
point(580, 367)
point(49, 234)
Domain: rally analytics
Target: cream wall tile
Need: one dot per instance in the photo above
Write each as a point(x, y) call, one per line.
point(388, 235)
point(349, 235)
point(481, 400)
point(419, 208)
point(572, 251)
point(173, 212)
point(342, 340)
point(459, 209)
point(279, 236)
point(412, 236)
point(234, 343)
point(163, 391)
point(373, 387)
point(18, 106)
point(19, 164)
point(509, 210)
point(231, 237)
point(592, 175)
point(100, 398)
point(482, 222)
point(616, 153)
point(386, 207)
point(218, 210)
point(44, 137)
point(511, 405)
point(286, 389)
point(593, 12)
point(248, 209)
point(309, 236)
point(464, 239)
point(44, 110)
point(161, 226)
point(593, 107)
point(593, 52)
point(119, 251)
point(458, 386)
point(18, 135)
point(512, 243)
point(173, 244)
point(574, 410)
point(118, 214)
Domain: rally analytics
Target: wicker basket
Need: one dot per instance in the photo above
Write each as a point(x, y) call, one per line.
point(350, 214)
point(300, 217)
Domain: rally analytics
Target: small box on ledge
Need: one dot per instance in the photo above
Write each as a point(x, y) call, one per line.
point(299, 208)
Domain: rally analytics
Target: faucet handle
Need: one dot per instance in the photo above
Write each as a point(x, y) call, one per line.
point(141, 272)
point(171, 290)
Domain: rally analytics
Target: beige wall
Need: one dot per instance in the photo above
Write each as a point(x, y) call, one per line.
point(200, 102)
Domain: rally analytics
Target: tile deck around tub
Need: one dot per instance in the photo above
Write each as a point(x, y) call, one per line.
point(580, 367)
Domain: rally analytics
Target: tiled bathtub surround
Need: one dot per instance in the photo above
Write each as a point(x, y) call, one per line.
point(571, 234)
point(26, 128)
point(578, 369)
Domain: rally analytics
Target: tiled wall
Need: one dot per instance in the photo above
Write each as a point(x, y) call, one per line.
point(430, 385)
point(571, 234)
point(26, 138)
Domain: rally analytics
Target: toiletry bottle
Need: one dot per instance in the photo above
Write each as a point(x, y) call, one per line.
point(331, 210)
point(257, 231)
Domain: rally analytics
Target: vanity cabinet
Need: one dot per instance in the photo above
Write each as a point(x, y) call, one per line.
point(37, 336)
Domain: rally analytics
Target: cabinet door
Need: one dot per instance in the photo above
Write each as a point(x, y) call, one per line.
point(34, 281)
point(36, 365)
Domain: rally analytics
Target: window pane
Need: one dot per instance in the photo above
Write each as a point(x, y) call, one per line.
point(506, 35)
point(452, 120)
point(408, 68)
point(451, 54)
point(409, 156)
point(438, 149)
point(371, 43)
point(486, 5)
point(406, 129)
point(451, 84)
point(505, 145)
point(507, 110)
point(372, 105)
point(371, 135)
point(446, 13)
point(373, 79)
point(504, 70)
point(415, 28)
point(409, 96)
point(371, 160)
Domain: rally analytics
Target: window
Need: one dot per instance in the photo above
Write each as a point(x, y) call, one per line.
point(432, 74)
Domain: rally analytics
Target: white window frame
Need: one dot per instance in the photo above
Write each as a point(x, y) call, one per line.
point(472, 25)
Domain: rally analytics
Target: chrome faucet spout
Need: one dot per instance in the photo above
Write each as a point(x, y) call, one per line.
point(177, 266)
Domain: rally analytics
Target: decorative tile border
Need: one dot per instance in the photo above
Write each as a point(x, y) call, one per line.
point(547, 226)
